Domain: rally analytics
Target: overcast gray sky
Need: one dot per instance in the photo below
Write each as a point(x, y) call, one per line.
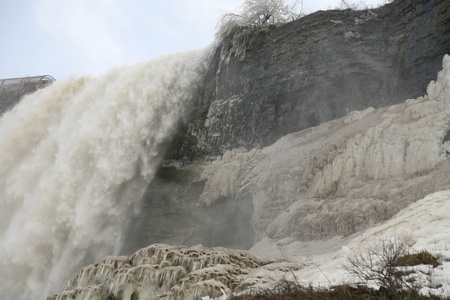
point(88, 37)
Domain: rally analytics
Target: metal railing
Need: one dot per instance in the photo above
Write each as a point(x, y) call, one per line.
point(13, 89)
point(41, 80)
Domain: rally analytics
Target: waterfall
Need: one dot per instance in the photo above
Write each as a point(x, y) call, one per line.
point(75, 160)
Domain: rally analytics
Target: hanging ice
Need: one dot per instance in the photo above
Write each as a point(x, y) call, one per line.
point(175, 272)
point(344, 175)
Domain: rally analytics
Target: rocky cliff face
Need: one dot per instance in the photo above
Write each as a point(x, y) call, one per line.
point(302, 74)
point(317, 69)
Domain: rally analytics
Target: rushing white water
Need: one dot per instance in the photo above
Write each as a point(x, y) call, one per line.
point(75, 159)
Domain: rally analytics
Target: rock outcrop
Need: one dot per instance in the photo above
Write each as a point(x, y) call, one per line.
point(295, 76)
point(316, 69)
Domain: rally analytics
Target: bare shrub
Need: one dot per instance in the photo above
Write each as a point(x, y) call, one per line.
point(378, 263)
point(384, 263)
point(422, 257)
point(235, 30)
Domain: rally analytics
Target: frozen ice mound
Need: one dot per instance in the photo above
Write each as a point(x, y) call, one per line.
point(161, 271)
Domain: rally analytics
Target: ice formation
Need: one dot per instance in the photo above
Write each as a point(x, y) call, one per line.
point(163, 272)
point(75, 159)
point(177, 272)
point(424, 224)
point(345, 175)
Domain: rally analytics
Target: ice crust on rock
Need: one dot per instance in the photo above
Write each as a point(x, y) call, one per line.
point(424, 224)
point(167, 272)
point(163, 272)
point(345, 175)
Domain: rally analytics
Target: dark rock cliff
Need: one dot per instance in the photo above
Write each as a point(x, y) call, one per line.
point(293, 76)
point(317, 69)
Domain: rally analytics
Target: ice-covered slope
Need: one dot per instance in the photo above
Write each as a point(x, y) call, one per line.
point(345, 175)
point(424, 225)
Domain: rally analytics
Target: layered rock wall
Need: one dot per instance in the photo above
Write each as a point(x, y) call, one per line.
point(314, 70)
point(301, 74)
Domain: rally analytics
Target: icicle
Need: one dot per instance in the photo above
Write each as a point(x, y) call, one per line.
point(210, 288)
point(87, 275)
point(93, 292)
point(104, 271)
point(73, 282)
point(165, 264)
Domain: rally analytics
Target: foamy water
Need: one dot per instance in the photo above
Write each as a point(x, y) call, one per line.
point(75, 160)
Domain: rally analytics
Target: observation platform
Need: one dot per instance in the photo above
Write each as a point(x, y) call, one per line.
point(13, 89)
point(42, 80)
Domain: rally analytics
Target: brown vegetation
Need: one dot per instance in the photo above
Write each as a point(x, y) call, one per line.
point(379, 263)
point(420, 258)
point(287, 290)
